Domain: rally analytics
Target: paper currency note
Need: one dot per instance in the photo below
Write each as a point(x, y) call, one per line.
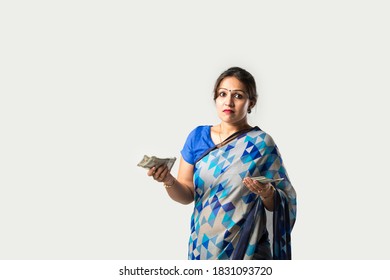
point(265, 180)
point(148, 162)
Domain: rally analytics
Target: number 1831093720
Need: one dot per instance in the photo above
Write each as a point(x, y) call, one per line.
point(252, 270)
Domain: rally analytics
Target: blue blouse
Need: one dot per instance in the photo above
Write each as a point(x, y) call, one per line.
point(198, 141)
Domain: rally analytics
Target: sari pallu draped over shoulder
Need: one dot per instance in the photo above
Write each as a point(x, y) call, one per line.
point(229, 221)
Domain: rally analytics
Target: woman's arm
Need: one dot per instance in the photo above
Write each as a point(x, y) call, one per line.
point(180, 189)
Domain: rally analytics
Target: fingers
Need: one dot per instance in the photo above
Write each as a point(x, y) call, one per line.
point(257, 187)
point(158, 173)
point(151, 171)
point(163, 174)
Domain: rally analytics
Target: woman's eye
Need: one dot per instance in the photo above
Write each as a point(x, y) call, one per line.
point(237, 96)
point(222, 94)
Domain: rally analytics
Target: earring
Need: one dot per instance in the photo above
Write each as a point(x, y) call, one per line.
point(249, 111)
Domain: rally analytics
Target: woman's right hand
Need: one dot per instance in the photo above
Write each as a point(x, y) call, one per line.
point(161, 174)
point(180, 189)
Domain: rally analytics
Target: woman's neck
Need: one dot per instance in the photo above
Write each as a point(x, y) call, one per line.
point(227, 129)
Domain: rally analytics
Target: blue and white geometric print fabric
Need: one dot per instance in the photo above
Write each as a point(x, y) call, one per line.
point(223, 204)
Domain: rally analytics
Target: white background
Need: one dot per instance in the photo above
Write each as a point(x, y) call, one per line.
point(88, 87)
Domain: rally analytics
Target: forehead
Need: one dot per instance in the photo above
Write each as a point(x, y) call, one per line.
point(231, 83)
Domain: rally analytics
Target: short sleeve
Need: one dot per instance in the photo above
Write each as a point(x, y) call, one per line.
point(187, 151)
point(198, 141)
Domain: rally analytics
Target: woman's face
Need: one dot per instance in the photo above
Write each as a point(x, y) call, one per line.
point(232, 101)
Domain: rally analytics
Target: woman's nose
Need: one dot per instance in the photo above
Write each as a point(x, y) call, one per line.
point(229, 100)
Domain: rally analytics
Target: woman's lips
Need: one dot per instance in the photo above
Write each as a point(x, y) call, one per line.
point(227, 111)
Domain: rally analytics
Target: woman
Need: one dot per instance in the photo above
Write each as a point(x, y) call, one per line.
point(230, 218)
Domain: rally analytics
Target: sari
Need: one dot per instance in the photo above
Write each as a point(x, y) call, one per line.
point(229, 221)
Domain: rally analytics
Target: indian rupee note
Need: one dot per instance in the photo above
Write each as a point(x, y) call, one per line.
point(153, 161)
point(265, 180)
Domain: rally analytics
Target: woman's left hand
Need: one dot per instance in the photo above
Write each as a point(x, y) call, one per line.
point(264, 190)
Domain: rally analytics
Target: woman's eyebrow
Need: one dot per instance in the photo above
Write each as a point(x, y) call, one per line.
point(232, 89)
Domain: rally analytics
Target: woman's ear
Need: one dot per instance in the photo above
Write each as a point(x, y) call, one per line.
point(251, 105)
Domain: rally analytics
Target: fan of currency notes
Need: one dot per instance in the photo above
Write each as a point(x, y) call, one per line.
point(149, 162)
point(265, 180)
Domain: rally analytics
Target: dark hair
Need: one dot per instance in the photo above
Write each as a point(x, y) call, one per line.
point(244, 77)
